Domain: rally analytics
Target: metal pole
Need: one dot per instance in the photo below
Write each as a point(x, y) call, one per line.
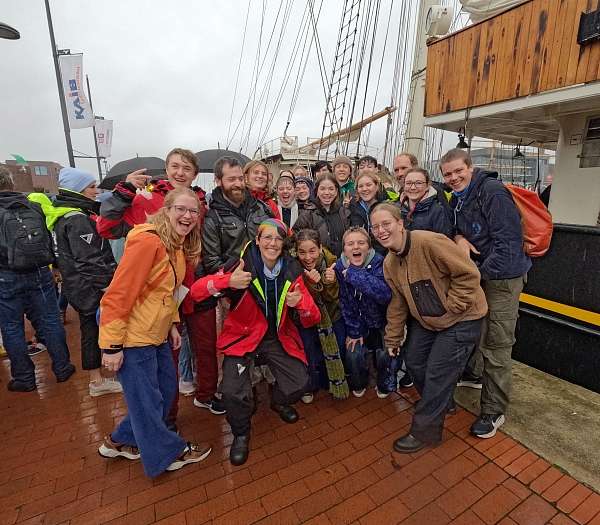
point(87, 81)
point(61, 96)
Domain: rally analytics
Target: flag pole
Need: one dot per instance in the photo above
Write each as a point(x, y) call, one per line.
point(63, 106)
point(87, 81)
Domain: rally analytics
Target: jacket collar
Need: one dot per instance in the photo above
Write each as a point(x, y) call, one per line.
point(406, 249)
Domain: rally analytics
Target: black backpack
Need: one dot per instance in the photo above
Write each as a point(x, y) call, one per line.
point(25, 242)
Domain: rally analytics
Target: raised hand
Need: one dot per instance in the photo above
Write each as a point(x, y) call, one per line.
point(329, 274)
point(240, 279)
point(138, 178)
point(313, 275)
point(294, 297)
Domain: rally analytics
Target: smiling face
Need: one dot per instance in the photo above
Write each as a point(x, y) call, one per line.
point(302, 191)
point(285, 191)
point(367, 189)
point(257, 178)
point(326, 193)
point(415, 186)
point(270, 244)
point(342, 172)
point(387, 229)
point(356, 248)
point(180, 172)
point(232, 184)
point(183, 214)
point(457, 174)
point(308, 254)
point(401, 165)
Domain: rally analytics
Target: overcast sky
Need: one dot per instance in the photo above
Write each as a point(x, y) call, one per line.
point(164, 74)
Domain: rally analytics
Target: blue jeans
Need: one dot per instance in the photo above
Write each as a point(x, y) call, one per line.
point(31, 294)
point(186, 372)
point(357, 364)
point(150, 386)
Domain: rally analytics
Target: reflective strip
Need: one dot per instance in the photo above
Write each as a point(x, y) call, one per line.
point(286, 287)
point(258, 287)
point(563, 309)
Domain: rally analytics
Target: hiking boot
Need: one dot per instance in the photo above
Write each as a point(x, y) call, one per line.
point(192, 453)
point(359, 393)
point(470, 381)
point(18, 386)
point(110, 449)
point(381, 394)
point(68, 371)
point(287, 413)
point(214, 405)
point(106, 386)
point(407, 444)
point(238, 453)
point(186, 388)
point(308, 398)
point(35, 348)
point(406, 381)
point(486, 425)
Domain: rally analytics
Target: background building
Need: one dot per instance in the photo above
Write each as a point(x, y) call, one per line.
point(36, 175)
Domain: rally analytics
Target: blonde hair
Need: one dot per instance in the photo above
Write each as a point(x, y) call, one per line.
point(252, 164)
point(300, 167)
point(168, 235)
point(356, 229)
point(374, 177)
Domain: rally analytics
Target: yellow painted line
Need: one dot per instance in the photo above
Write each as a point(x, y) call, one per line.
point(563, 309)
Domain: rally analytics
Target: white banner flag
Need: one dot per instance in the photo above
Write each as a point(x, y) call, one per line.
point(104, 134)
point(78, 106)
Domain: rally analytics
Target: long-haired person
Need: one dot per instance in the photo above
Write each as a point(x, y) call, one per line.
point(323, 343)
point(422, 207)
point(325, 214)
point(137, 315)
point(436, 292)
point(259, 182)
point(268, 297)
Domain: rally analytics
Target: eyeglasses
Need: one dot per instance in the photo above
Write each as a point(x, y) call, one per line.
point(269, 239)
point(182, 210)
point(416, 183)
point(386, 225)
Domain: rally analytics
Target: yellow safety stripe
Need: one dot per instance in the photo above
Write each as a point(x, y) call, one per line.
point(286, 287)
point(258, 287)
point(563, 309)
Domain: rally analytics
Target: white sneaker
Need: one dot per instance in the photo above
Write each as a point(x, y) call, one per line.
point(106, 386)
point(380, 394)
point(359, 393)
point(307, 399)
point(186, 388)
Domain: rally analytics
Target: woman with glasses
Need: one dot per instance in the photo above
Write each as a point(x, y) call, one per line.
point(138, 313)
point(268, 298)
point(422, 207)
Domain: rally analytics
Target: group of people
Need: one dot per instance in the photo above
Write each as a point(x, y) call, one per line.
point(337, 280)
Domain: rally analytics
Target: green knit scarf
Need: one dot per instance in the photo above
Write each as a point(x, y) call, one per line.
point(338, 387)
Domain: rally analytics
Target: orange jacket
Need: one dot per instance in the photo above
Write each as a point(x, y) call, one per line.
point(139, 308)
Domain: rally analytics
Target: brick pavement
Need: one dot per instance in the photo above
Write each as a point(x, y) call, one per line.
point(334, 466)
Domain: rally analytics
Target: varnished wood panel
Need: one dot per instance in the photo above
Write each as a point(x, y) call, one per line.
point(529, 49)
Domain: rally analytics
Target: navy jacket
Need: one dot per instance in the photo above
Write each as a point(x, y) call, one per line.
point(364, 296)
point(488, 217)
point(430, 214)
point(359, 216)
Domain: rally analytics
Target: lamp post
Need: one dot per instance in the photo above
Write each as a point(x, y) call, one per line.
point(10, 33)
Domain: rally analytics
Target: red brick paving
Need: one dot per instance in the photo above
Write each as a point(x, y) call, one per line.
point(334, 467)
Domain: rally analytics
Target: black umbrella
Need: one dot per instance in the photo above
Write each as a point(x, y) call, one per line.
point(208, 157)
point(155, 167)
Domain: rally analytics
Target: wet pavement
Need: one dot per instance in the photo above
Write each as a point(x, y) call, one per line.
point(334, 466)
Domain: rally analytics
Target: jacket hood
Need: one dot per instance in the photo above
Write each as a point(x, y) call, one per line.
point(6, 197)
point(370, 256)
point(74, 199)
point(479, 177)
point(141, 228)
point(51, 212)
point(424, 204)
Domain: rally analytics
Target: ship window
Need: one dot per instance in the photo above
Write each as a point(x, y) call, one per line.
point(590, 151)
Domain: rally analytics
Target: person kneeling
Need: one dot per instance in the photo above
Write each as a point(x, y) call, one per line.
point(267, 295)
point(436, 289)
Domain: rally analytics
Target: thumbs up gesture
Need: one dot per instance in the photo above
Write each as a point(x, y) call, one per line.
point(313, 275)
point(293, 298)
point(239, 278)
point(329, 274)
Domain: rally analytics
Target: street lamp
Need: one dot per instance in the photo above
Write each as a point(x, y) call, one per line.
point(10, 33)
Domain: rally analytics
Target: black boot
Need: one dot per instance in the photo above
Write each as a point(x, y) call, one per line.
point(407, 444)
point(238, 454)
point(286, 412)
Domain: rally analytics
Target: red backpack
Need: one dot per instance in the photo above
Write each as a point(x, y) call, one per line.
point(535, 220)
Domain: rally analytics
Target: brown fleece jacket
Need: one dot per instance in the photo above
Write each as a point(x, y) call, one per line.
point(433, 281)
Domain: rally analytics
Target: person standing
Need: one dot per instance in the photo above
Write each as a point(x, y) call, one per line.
point(343, 169)
point(488, 228)
point(138, 313)
point(436, 292)
point(27, 287)
point(259, 182)
point(402, 163)
point(304, 188)
point(286, 198)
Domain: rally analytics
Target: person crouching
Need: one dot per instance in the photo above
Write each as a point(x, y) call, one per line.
point(267, 294)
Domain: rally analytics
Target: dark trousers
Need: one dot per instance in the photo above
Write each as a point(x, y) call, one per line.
point(91, 358)
point(356, 363)
point(436, 360)
point(202, 332)
point(290, 382)
point(31, 294)
point(149, 384)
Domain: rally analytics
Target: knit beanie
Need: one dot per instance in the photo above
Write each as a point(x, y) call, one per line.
point(75, 179)
point(342, 159)
point(279, 226)
point(305, 180)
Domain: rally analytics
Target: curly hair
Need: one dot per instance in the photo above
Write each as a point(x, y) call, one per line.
point(170, 238)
